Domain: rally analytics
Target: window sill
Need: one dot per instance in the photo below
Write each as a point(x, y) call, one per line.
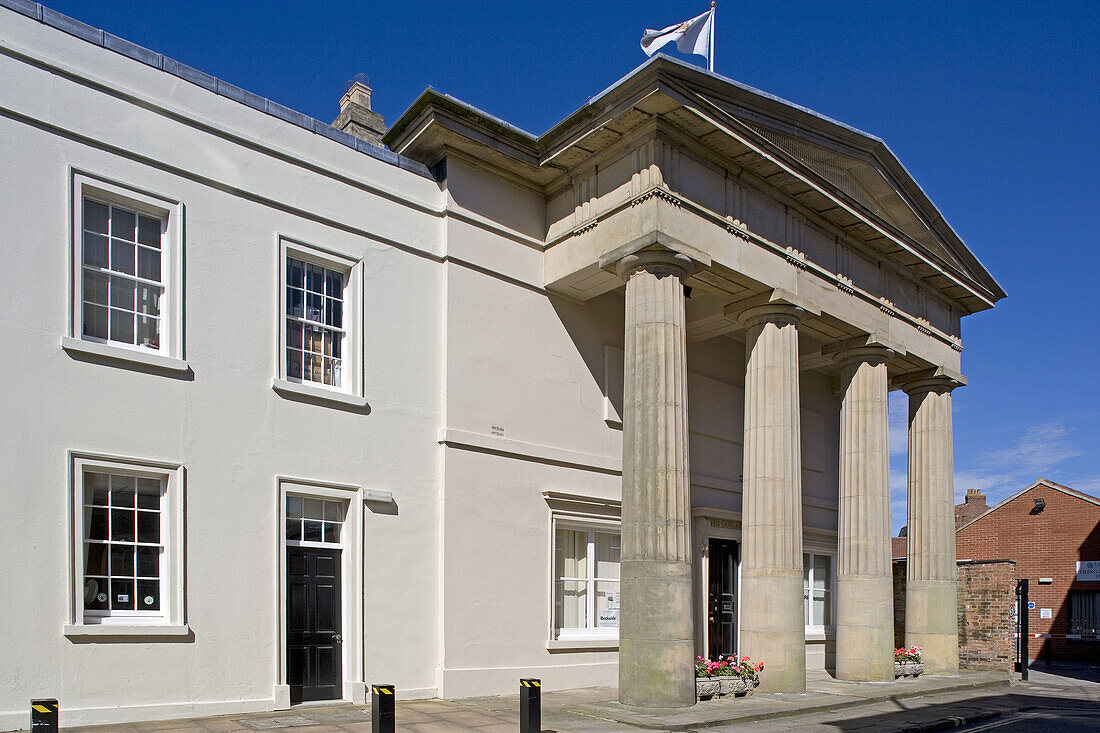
point(116, 353)
point(317, 394)
point(128, 630)
point(818, 635)
point(583, 645)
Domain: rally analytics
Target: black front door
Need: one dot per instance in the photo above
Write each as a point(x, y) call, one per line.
point(313, 652)
point(722, 616)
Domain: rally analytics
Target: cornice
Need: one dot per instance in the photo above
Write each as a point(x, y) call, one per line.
point(738, 229)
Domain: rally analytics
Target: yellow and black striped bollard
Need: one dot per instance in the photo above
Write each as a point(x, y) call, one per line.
point(382, 716)
point(43, 716)
point(530, 706)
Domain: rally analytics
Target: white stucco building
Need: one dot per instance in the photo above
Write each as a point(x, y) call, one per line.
point(287, 412)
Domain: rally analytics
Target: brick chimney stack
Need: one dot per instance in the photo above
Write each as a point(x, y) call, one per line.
point(973, 505)
point(356, 117)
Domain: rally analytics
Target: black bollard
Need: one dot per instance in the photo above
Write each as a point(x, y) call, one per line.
point(382, 717)
point(530, 706)
point(43, 716)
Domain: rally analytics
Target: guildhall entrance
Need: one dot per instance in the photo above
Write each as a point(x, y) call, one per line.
point(722, 599)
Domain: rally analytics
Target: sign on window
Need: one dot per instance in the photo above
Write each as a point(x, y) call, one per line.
point(1088, 570)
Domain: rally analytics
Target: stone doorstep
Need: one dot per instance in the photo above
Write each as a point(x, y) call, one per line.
point(721, 712)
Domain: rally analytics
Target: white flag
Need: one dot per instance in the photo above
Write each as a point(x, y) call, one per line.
point(691, 36)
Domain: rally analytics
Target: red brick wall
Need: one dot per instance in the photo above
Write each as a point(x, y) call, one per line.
point(987, 597)
point(1046, 544)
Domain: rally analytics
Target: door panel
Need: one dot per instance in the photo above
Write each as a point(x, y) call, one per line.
point(314, 659)
point(722, 599)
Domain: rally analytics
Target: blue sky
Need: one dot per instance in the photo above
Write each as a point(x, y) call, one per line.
point(993, 107)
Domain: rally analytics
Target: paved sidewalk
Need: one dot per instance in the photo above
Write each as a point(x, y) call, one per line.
point(924, 704)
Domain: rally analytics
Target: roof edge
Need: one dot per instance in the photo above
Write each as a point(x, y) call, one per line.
point(430, 97)
point(160, 62)
point(1035, 484)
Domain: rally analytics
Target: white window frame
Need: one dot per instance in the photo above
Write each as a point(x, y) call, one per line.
point(830, 592)
point(169, 620)
point(170, 354)
point(350, 391)
point(591, 527)
point(345, 509)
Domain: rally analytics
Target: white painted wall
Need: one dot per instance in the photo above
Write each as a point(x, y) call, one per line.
point(226, 425)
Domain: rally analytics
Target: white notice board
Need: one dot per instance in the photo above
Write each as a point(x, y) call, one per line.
point(1088, 570)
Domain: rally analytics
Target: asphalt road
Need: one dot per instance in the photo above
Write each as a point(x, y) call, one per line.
point(1064, 720)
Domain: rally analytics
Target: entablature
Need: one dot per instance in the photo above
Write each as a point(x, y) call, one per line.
point(737, 265)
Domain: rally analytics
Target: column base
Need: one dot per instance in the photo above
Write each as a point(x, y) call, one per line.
point(939, 652)
point(656, 639)
point(931, 622)
point(773, 630)
point(666, 681)
point(865, 628)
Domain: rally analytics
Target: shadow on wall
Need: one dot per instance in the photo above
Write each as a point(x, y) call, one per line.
point(1072, 650)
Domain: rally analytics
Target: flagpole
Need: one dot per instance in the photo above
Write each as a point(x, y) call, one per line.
point(713, 28)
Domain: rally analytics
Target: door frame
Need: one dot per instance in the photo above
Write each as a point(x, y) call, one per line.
point(736, 591)
point(710, 523)
point(351, 581)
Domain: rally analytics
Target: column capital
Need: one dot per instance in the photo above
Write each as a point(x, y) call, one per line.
point(655, 252)
point(940, 380)
point(872, 349)
point(775, 306)
point(660, 262)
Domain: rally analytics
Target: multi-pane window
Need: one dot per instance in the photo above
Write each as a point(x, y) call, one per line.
point(314, 520)
point(817, 590)
point(1084, 612)
point(122, 283)
point(586, 582)
point(123, 544)
point(314, 323)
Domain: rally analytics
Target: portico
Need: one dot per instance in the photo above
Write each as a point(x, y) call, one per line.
point(797, 261)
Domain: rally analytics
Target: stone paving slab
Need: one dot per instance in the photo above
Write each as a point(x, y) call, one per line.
point(823, 694)
point(929, 704)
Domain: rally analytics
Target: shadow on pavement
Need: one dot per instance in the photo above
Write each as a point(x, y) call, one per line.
point(911, 715)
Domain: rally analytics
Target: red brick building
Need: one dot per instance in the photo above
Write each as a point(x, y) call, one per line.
point(973, 505)
point(1049, 530)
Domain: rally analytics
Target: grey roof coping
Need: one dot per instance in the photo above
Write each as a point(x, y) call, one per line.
point(74, 27)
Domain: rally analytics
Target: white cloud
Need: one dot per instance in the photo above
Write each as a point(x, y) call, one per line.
point(998, 473)
point(1007, 470)
point(1087, 484)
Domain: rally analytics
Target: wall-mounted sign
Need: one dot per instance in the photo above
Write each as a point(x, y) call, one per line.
point(1031, 605)
point(1046, 581)
point(1044, 613)
point(1088, 570)
point(608, 619)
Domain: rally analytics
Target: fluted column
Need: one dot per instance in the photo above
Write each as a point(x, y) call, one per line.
point(930, 595)
point(656, 639)
point(773, 618)
point(864, 586)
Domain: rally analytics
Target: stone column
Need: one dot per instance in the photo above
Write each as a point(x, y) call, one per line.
point(656, 639)
point(773, 615)
point(864, 586)
point(930, 597)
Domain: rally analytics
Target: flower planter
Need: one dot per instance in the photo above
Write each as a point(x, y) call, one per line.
point(710, 687)
point(907, 669)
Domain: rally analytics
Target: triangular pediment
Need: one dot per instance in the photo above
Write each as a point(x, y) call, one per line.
point(843, 176)
point(864, 182)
